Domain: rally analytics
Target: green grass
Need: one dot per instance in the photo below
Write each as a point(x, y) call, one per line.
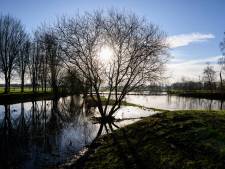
point(170, 140)
point(16, 96)
point(18, 90)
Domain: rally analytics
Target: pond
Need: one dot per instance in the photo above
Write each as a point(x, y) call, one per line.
point(43, 133)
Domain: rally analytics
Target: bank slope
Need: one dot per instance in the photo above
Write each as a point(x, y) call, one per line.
point(178, 140)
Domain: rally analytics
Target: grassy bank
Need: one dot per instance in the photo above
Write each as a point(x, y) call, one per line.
point(17, 97)
point(18, 89)
point(179, 139)
point(199, 94)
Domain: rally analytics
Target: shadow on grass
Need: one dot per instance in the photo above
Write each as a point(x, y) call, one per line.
point(172, 140)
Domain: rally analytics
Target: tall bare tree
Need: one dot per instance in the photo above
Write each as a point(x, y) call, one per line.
point(12, 36)
point(40, 62)
point(53, 55)
point(34, 64)
point(221, 62)
point(139, 53)
point(50, 61)
point(23, 61)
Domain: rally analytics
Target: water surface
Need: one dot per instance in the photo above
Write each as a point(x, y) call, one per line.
point(42, 133)
point(37, 134)
point(176, 102)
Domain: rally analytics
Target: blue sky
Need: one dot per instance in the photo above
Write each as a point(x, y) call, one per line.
point(195, 26)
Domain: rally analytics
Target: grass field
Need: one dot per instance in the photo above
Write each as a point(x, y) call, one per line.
point(170, 140)
point(18, 90)
point(16, 96)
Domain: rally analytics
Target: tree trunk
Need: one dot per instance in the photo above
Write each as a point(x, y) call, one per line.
point(33, 82)
point(45, 83)
point(221, 82)
point(54, 86)
point(22, 83)
point(7, 84)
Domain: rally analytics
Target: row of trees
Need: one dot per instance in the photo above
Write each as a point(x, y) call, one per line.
point(13, 40)
point(138, 54)
point(36, 60)
point(207, 82)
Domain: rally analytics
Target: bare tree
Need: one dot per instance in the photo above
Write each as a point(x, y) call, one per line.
point(53, 55)
point(138, 53)
point(50, 61)
point(209, 76)
point(222, 45)
point(221, 62)
point(73, 83)
point(34, 62)
point(23, 61)
point(40, 62)
point(12, 36)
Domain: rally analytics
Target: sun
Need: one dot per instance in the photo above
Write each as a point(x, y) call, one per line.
point(105, 53)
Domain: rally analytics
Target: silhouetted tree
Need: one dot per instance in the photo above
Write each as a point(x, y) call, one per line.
point(23, 61)
point(34, 62)
point(139, 52)
point(72, 82)
point(50, 64)
point(41, 63)
point(221, 61)
point(12, 37)
point(209, 76)
point(53, 54)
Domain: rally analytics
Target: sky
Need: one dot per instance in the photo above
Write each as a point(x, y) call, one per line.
point(194, 27)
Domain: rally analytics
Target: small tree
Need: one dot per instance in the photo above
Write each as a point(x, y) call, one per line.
point(72, 82)
point(209, 76)
point(138, 53)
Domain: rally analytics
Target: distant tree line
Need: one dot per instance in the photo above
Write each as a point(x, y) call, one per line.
point(206, 82)
point(211, 79)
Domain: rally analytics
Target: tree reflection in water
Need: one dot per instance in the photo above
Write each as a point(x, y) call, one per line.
point(40, 133)
point(47, 132)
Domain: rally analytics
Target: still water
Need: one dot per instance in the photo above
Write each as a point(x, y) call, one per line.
point(43, 133)
point(37, 134)
point(175, 102)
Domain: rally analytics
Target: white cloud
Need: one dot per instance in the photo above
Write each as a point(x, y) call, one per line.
point(190, 69)
point(186, 39)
